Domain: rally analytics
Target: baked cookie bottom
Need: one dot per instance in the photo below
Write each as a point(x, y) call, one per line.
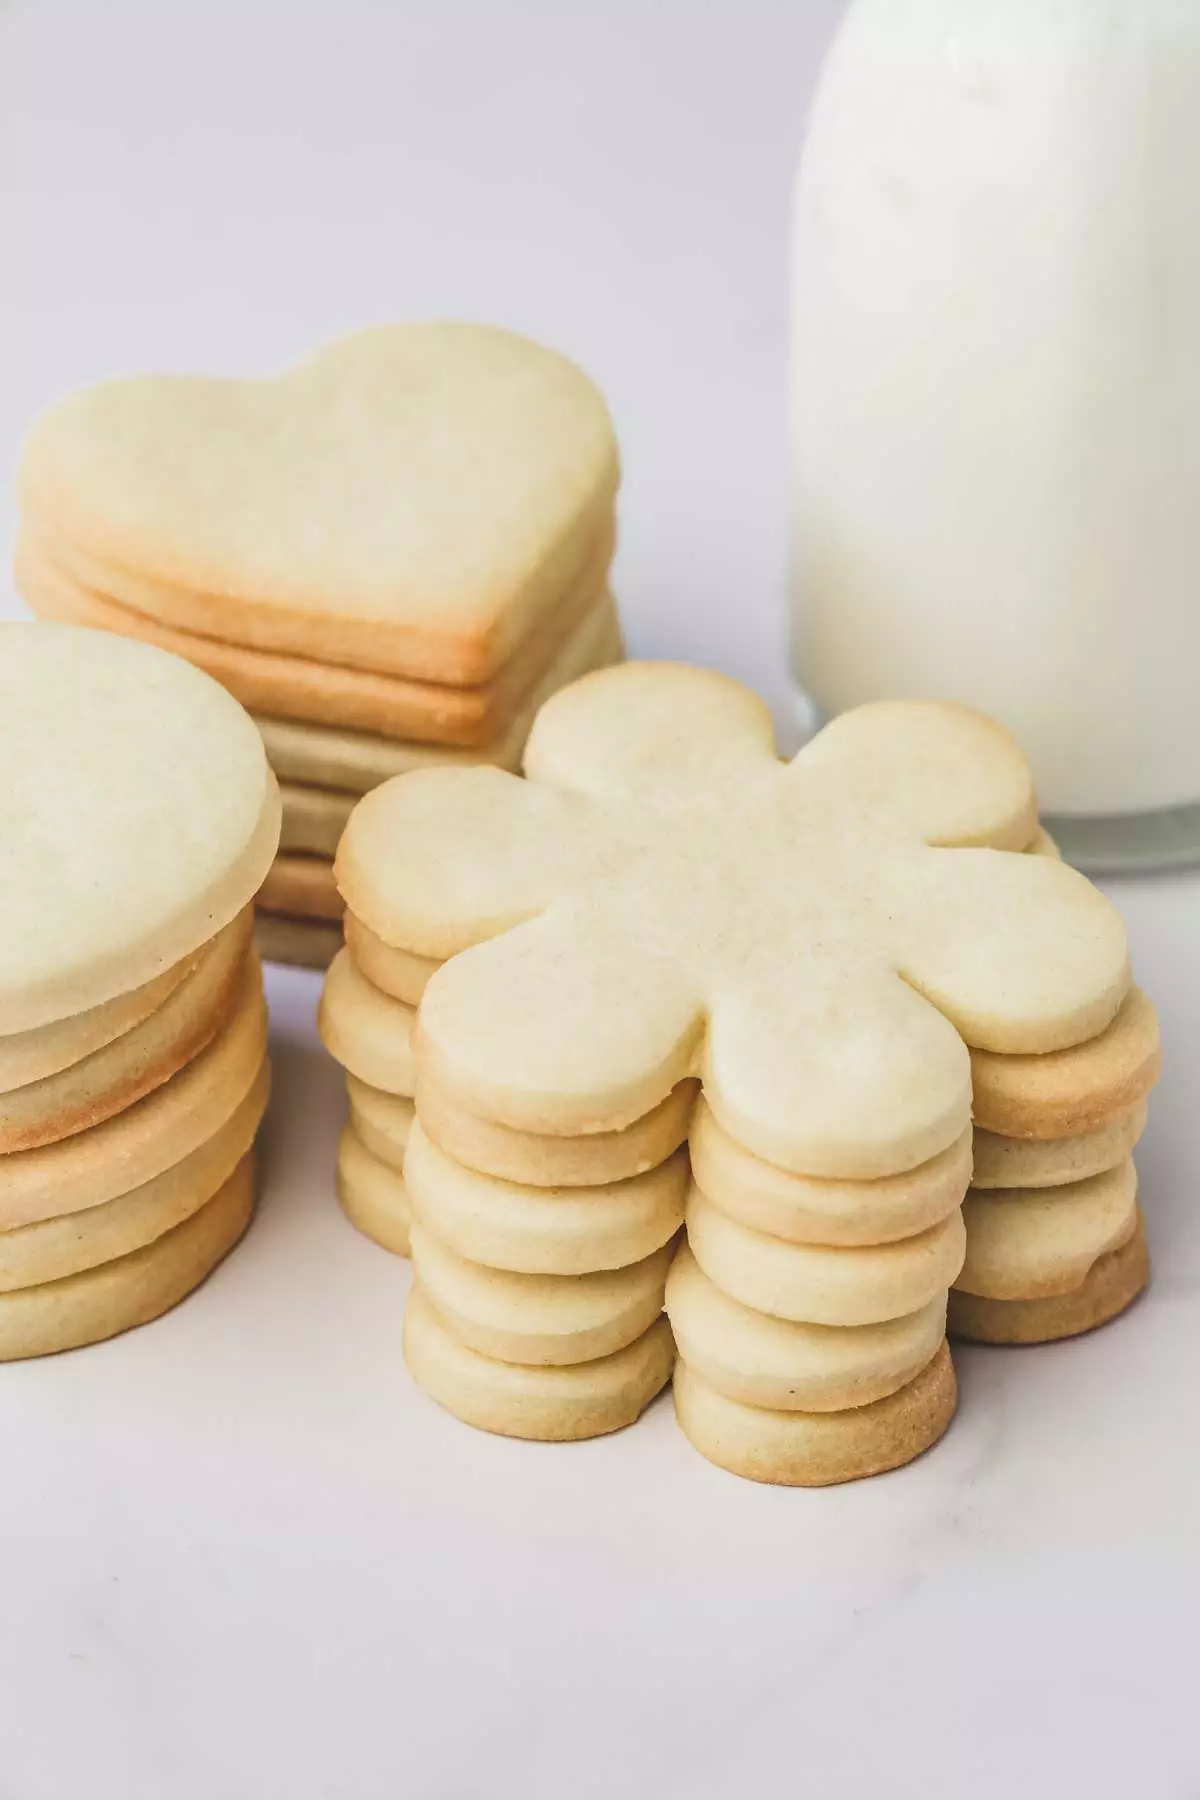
point(797, 1449)
point(1111, 1285)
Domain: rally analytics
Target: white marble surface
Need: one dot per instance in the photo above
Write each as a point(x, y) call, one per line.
point(239, 1555)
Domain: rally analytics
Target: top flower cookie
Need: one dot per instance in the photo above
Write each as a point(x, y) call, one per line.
point(664, 897)
point(413, 499)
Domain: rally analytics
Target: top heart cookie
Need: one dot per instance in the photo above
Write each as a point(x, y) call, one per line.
point(137, 817)
point(414, 499)
point(663, 897)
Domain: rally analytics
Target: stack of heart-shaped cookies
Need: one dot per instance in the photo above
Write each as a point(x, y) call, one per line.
point(665, 930)
point(138, 817)
point(390, 555)
point(1055, 1238)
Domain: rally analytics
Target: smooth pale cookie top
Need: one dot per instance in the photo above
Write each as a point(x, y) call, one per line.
point(664, 897)
point(137, 817)
point(413, 497)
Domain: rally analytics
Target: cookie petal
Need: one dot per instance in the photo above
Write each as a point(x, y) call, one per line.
point(559, 1027)
point(945, 772)
point(439, 860)
point(637, 729)
point(1021, 953)
point(836, 1068)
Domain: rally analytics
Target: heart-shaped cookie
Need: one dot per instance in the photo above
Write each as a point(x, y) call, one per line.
point(414, 499)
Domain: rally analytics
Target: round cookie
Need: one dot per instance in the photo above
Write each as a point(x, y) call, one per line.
point(543, 1402)
point(816, 1285)
point(1005, 1162)
point(543, 1231)
point(27, 1056)
point(813, 1210)
point(305, 943)
point(372, 1194)
point(134, 1146)
point(365, 1030)
point(588, 1160)
point(789, 1367)
point(807, 1449)
point(383, 1121)
point(53, 1248)
point(1111, 1285)
point(546, 1319)
point(98, 1303)
point(394, 971)
point(130, 1067)
point(1066, 1092)
point(302, 887)
point(1027, 1244)
point(138, 816)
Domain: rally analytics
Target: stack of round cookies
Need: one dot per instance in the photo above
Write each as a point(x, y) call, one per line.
point(540, 1260)
point(810, 1311)
point(138, 818)
point(665, 930)
point(1055, 1239)
point(390, 554)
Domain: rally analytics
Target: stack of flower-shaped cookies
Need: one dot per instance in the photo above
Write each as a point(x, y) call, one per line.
point(390, 554)
point(138, 818)
point(1055, 1241)
point(663, 902)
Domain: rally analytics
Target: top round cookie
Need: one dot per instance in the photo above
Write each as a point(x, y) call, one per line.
point(412, 499)
point(137, 816)
point(662, 897)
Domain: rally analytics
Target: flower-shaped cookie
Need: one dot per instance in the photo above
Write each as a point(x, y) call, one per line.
point(663, 897)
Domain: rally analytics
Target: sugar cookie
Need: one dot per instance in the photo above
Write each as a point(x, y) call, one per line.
point(383, 1121)
point(114, 1158)
point(1110, 1286)
point(776, 1363)
point(816, 1449)
point(546, 1161)
point(413, 497)
point(302, 887)
point(552, 1404)
point(332, 756)
point(535, 1230)
point(27, 1056)
point(130, 1067)
point(662, 898)
point(98, 1303)
point(809, 1209)
point(548, 1319)
point(138, 816)
point(395, 972)
point(54, 1248)
point(372, 1195)
point(365, 1030)
point(1005, 1162)
point(1025, 1244)
point(313, 819)
point(1072, 1090)
point(309, 943)
point(817, 1285)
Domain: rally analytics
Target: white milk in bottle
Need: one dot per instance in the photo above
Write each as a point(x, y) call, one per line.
point(996, 400)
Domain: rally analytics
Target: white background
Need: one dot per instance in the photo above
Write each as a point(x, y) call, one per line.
point(239, 1554)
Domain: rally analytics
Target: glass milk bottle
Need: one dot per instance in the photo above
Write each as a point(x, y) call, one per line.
point(996, 392)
